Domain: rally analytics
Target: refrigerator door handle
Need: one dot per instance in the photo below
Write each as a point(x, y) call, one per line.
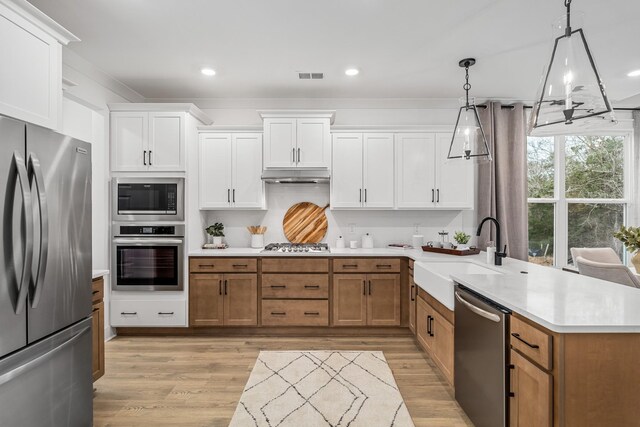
point(35, 173)
point(23, 178)
point(8, 376)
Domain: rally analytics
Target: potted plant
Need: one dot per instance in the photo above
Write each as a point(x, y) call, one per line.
point(217, 232)
point(461, 239)
point(630, 238)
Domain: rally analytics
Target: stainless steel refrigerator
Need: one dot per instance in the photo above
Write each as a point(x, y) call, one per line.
point(45, 278)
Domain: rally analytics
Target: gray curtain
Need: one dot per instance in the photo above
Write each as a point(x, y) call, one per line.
point(502, 183)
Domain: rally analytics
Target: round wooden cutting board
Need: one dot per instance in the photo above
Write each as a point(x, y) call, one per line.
point(305, 222)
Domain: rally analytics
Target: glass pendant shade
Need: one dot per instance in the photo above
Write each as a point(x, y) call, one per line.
point(571, 88)
point(469, 140)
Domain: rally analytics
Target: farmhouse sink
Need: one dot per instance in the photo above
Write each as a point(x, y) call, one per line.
point(435, 277)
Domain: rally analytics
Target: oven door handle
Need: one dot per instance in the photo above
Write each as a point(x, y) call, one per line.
point(148, 241)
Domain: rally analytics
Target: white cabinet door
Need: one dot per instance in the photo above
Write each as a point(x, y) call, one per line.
point(313, 143)
point(30, 71)
point(215, 171)
point(454, 178)
point(378, 170)
point(129, 141)
point(415, 170)
point(166, 142)
point(346, 171)
point(280, 143)
point(247, 189)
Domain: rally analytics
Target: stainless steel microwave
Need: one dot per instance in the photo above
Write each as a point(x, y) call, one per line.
point(148, 199)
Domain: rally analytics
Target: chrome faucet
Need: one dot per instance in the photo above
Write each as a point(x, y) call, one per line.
point(499, 255)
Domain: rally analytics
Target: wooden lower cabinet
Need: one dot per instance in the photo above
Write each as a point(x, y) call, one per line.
point(97, 328)
point(366, 299)
point(223, 299)
point(531, 402)
point(435, 334)
point(295, 312)
point(349, 299)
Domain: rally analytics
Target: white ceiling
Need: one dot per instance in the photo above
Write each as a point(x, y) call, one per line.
point(404, 48)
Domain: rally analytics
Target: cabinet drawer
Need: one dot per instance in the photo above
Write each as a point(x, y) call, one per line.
point(314, 286)
point(366, 265)
point(295, 313)
point(532, 342)
point(97, 287)
point(291, 265)
point(148, 313)
point(223, 265)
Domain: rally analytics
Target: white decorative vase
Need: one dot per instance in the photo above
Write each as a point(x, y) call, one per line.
point(257, 241)
point(217, 240)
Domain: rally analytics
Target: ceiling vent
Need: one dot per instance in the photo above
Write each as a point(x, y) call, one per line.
point(311, 76)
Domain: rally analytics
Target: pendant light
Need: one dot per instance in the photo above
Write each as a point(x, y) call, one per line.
point(469, 140)
point(571, 88)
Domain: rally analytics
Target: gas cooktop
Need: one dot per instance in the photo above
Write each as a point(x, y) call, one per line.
point(299, 248)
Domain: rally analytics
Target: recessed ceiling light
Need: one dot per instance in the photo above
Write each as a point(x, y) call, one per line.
point(208, 71)
point(352, 72)
point(634, 73)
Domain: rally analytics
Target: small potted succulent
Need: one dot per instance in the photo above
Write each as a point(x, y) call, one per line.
point(630, 238)
point(461, 239)
point(217, 232)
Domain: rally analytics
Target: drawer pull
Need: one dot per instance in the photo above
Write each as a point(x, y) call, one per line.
point(312, 286)
point(165, 313)
point(517, 336)
point(349, 265)
point(278, 313)
point(312, 313)
point(95, 309)
point(96, 292)
point(278, 286)
point(240, 265)
point(129, 313)
point(383, 265)
point(206, 265)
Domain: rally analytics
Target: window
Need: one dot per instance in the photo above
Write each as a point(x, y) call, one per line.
point(578, 194)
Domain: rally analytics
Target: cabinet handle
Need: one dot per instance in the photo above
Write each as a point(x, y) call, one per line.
point(383, 265)
point(429, 325)
point(144, 157)
point(360, 199)
point(312, 313)
point(510, 393)
point(278, 286)
point(364, 287)
point(206, 265)
point(150, 158)
point(95, 309)
point(278, 313)
point(365, 195)
point(240, 265)
point(349, 265)
point(438, 196)
point(165, 313)
point(298, 155)
point(411, 297)
point(433, 195)
point(369, 287)
point(128, 313)
point(225, 286)
point(228, 195)
point(312, 286)
point(517, 336)
point(433, 334)
point(234, 195)
point(220, 287)
point(293, 152)
point(95, 292)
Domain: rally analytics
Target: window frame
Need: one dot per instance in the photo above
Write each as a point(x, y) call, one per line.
point(561, 203)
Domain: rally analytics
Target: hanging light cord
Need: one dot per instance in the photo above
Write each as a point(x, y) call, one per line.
point(467, 86)
point(567, 31)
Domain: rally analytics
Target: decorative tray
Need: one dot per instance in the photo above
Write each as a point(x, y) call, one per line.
point(470, 251)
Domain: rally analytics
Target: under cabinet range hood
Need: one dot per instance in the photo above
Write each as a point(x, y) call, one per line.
point(288, 176)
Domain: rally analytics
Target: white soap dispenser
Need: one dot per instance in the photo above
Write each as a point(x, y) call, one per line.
point(491, 252)
point(367, 241)
point(340, 242)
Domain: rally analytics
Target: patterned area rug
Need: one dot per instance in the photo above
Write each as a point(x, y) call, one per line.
point(321, 388)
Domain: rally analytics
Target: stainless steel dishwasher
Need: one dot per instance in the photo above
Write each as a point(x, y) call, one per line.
point(481, 360)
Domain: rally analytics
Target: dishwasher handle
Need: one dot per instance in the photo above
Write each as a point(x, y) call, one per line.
point(480, 312)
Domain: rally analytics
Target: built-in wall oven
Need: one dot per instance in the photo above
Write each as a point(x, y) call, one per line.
point(148, 199)
point(148, 257)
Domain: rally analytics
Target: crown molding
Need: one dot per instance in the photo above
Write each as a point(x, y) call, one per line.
point(36, 17)
point(166, 107)
point(230, 129)
point(294, 113)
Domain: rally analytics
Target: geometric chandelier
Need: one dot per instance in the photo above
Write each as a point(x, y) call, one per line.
point(571, 88)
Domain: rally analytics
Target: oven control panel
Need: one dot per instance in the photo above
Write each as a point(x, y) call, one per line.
point(130, 230)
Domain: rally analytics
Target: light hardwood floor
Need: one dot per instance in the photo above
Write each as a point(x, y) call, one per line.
point(197, 381)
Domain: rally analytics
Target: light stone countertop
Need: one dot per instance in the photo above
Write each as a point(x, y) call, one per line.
point(560, 301)
point(99, 273)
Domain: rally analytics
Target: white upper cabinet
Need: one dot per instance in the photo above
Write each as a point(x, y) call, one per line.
point(230, 171)
point(454, 181)
point(297, 139)
point(31, 70)
point(362, 171)
point(152, 137)
point(425, 179)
